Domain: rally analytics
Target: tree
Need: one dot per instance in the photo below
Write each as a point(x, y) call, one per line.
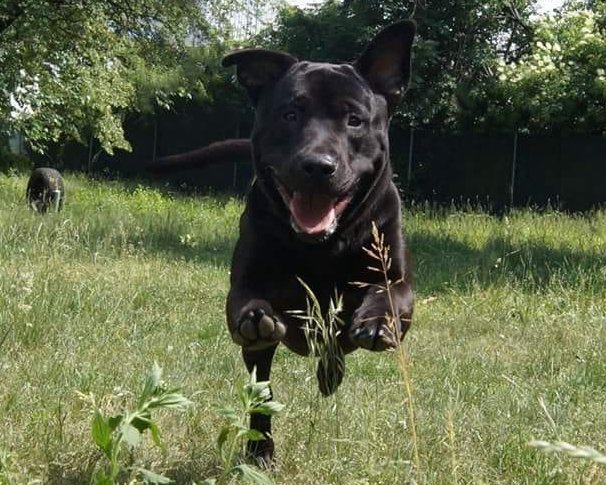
point(71, 69)
point(559, 84)
point(456, 43)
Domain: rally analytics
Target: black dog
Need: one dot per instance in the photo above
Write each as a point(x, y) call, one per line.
point(321, 160)
point(45, 189)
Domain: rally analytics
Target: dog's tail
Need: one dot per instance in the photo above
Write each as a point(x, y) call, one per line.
point(220, 151)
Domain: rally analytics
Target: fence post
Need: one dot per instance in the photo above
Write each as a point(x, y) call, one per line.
point(155, 138)
point(234, 181)
point(513, 168)
point(90, 152)
point(21, 144)
point(411, 140)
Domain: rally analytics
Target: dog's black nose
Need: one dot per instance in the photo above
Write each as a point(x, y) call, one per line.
point(319, 166)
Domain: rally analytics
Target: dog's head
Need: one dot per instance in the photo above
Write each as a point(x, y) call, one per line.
point(320, 134)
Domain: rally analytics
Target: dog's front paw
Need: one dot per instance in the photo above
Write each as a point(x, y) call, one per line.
point(373, 334)
point(258, 327)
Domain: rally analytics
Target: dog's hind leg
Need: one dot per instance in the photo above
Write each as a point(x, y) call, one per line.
point(261, 451)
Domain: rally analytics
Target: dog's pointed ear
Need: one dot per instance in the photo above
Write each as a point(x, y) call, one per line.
point(385, 64)
point(258, 68)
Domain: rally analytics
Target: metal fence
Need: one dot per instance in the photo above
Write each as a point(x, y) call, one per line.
point(495, 170)
point(501, 170)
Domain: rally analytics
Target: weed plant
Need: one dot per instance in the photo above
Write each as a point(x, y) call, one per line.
point(119, 433)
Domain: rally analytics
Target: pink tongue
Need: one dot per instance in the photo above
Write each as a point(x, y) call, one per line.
point(312, 213)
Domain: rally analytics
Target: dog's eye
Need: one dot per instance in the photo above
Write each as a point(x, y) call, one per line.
point(290, 116)
point(353, 120)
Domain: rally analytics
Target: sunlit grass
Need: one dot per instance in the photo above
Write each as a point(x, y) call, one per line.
point(507, 343)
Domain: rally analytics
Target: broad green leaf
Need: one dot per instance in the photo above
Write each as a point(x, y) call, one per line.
point(253, 376)
point(252, 475)
point(253, 435)
point(102, 433)
point(151, 477)
point(230, 414)
point(258, 390)
point(131, 435)
point(244, 396)
point(223, 437)
point(100, 478)
point(152, 382)
point(268, 408)
point(156, 436)
point(170, 401)
point(156, 375)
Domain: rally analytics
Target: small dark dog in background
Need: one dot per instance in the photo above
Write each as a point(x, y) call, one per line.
point(320, 152)
point(45, 190)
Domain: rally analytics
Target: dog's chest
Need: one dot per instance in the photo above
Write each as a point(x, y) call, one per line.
point(328, 278)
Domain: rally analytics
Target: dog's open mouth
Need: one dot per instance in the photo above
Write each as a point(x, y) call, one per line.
point(315, 215)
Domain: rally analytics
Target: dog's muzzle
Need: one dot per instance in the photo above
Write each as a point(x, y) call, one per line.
point(314, 217)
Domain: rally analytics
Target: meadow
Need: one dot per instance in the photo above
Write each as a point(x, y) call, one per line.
point(508, 345)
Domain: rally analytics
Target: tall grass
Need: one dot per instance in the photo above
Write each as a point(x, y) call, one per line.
point(510, 313)
point(380, 261)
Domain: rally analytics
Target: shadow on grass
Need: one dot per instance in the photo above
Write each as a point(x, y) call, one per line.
point(60, 475)
point(216, 250)
point(190, 471)
point(173, 187)
point(443, 264)
point(440, 263)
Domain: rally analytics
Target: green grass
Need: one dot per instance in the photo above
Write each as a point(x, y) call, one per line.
point(507, 344)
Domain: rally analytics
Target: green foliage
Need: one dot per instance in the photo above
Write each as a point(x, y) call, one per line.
point(6, 468)
point(11, 162)
point(456, 42)
point(559, 84)
point(320, 34)
point(484, 65)
point(112, 434)
point(74, 71)
point(255, 398)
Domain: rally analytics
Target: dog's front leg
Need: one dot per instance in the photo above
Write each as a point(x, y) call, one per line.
point(251, 318)
point(255, 326)
point(263, 450)
point(383, 318)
